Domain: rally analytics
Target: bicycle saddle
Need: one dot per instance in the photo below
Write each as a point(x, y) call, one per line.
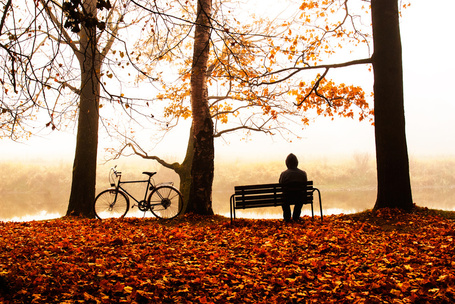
point(149, 173)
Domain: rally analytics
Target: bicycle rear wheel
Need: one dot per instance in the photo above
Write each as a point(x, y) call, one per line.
point(166, 202)
point(111, 203)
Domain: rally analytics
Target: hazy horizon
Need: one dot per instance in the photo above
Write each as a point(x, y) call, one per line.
point(41, 190)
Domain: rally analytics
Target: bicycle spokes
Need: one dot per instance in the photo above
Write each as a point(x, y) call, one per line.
point(165, 202)
point(111, 204)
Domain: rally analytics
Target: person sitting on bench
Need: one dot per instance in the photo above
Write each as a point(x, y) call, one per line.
point(292, 178)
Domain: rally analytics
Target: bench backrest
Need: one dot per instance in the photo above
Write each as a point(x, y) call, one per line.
point(266, 195)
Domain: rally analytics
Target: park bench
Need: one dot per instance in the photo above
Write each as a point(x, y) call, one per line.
point(269, 195)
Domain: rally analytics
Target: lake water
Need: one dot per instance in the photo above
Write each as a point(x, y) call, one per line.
point(26, 207)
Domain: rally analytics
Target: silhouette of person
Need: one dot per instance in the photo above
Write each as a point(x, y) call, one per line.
point(292, 178)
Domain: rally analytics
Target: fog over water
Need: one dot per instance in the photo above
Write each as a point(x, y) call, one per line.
point(339, 155)
point(40, 190)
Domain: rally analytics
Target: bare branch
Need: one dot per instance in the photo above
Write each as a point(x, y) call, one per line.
point(142, 153)
point(59, 25)
point(294, 70)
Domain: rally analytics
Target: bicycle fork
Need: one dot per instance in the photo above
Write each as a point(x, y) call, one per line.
point(111, 205)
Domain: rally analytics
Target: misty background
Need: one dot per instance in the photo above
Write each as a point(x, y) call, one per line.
point(338, 155)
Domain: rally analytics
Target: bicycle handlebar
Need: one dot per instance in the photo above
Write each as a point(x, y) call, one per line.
point(113, 180)
point(117, 173)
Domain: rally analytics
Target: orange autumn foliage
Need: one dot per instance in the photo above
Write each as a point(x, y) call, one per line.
point(244, 56)
point(340, 100)
point(380, 257)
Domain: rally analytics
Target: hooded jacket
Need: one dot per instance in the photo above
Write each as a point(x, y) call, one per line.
point(292, 174)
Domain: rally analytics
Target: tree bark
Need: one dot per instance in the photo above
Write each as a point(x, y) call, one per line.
point(202, 169)
point(394, 187)
point(84, 168)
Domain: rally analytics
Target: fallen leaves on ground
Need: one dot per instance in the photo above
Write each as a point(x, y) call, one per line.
point(374, 258)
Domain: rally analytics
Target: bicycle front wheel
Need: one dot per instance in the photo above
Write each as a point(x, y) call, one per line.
point(111, 203)
point(166, 202)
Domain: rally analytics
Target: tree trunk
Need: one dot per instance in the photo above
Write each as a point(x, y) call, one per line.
point(394, 187)
point(84, 168)
point(202, 169)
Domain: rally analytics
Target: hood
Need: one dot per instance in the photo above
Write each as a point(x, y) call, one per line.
point(291, 161)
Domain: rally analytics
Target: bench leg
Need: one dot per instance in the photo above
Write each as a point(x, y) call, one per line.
point(231, 207)
point(320, 200)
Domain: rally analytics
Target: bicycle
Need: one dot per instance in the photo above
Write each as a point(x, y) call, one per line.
point(164, 200)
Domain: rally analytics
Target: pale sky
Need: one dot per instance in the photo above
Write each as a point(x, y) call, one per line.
point(429, 78)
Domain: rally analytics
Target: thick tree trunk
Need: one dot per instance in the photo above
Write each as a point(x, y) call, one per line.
point(84, 168)
point(394, 187)
point(202, 169)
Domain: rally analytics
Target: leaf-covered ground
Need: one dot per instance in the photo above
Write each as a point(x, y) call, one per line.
point(384, 257)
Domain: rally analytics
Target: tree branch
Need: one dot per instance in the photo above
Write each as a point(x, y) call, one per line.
point(296, 70)
point(140, 152)
point(245, 127)
point(315, 88)
point(59, 25)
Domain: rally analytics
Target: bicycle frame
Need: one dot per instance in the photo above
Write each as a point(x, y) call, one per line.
point(149, 189)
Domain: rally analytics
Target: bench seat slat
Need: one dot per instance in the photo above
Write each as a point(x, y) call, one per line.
point(250, 199)
point(265, 186)
point(261, 206)
point(258, 191)
point(260, 186)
